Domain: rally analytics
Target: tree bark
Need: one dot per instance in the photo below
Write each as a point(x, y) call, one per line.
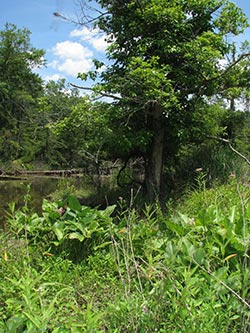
point(154, 163)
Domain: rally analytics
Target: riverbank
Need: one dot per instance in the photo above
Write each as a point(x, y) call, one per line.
point(79, 270)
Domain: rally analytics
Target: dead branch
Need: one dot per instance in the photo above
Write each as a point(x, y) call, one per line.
point(232, 148)
point(88, 20)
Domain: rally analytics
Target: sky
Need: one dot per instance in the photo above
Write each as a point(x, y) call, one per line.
point(69, 48)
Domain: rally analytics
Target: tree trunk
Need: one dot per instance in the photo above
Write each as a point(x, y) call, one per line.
point(154, 163)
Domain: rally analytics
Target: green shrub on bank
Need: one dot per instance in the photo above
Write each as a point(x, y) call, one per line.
point(74, 270)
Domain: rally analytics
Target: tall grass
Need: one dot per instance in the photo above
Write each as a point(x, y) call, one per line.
point(78, 269)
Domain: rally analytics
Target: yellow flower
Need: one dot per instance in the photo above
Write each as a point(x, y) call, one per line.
point(5, 256)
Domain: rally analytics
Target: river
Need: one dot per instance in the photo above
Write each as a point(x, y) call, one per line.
point(14, 191)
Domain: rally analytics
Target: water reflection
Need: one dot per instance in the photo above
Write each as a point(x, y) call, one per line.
point(15, 190)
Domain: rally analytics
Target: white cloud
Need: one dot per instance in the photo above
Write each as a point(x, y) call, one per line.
point(72, 58)
point(93, 36)
point(73, 67)
point(54, 77)
point(100, 44)
point(53, 64)
point(83, 33)
point(71, 50)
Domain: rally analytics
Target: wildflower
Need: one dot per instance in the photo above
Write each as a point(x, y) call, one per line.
point(61, 211)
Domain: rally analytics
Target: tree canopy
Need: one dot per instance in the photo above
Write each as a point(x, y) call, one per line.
point(167, 59)
point(173, 74)
point(19, 89)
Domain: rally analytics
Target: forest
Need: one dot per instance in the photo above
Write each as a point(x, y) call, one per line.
point(160, 241)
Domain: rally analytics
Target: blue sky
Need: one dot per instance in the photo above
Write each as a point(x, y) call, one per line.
point(69, 49)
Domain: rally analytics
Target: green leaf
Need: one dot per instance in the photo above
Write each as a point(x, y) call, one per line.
point(74, 204)
point(101, 246)
point(199, 255)
point(58, 229)
point(76, 235)
point(34, 320)
point(15, 324)
point(82, 76)
point(176, 228)
point(108, 210)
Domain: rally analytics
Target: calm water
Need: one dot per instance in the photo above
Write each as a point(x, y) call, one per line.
point(15, 190)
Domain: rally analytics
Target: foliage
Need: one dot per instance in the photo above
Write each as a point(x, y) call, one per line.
point(165, 58)
point(241, 134)
point(52, 125)
point(19, 89)
point(73, 268)
point(55, 105)
point(83, 134)
point(187, 270)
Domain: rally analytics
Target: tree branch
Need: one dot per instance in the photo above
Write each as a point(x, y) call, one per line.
point(65, 18)
point(99, 92)
point(245, 55)
point(231, 147)
point(88, 20)
point(234, 63)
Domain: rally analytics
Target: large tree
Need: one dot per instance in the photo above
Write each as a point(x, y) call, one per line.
point(20, 87)
point(166, 60)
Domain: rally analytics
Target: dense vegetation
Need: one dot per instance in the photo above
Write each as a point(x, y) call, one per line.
point(166, 67)
point(171, 96)
point(172, 253)
point(77, 269)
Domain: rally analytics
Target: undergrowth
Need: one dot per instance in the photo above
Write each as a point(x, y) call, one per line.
point(80, 269)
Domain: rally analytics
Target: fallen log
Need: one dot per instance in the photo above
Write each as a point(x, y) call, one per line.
point(59, 173)
point(7, 177)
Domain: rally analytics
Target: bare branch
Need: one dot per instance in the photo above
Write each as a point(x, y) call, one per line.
point(78, 22)
point(231, 147)
point(57, 14)
point(223, 284)
point(94, 19)
point(99, 92)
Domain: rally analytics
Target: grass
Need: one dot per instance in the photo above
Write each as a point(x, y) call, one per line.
point(81, 270)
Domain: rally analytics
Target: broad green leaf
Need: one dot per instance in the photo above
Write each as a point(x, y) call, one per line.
point(232, 217)
point(108, 211)
point(58, 229)
point(14, 324)
point(199, 255)
point(176, 228)
point(76, 235)
point(76, 226)
point(74, 204)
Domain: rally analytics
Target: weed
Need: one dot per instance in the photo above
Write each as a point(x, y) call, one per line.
point(74, 270)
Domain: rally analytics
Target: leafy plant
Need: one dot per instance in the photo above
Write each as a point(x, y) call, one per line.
point(141, 272)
